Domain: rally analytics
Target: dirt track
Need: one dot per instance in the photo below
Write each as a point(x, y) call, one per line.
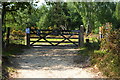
point(53, 62)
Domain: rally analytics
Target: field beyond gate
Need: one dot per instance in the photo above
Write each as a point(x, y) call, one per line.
point(54, 37)
point(38, 37)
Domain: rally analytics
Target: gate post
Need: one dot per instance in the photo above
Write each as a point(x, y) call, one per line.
point(8, 35)
point(81, 37)
point(28, 36)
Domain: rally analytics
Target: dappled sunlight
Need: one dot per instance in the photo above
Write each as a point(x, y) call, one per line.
point(62, 73)
point(61, 39)
point(49, 61)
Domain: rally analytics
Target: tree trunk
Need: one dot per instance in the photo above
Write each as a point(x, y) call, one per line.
point(3, 13)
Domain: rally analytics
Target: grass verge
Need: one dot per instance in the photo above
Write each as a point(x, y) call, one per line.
point(108, 63)
point(7, 65)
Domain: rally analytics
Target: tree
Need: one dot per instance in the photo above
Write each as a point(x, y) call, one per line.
point(86, 10)
point(62, 13)
point(12, 7)
point(56, 14)
point(74, 18)
point(43, 20)
point(117, 15)
point(95, 14)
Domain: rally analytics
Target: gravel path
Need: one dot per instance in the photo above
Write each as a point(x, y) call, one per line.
point(53, 62)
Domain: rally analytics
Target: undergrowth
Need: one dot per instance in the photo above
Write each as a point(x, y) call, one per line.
point(107, 62)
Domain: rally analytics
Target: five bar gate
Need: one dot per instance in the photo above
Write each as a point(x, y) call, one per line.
point(54, 37)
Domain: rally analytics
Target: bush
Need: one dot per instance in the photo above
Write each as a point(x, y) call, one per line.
point(17, 36)
point(108, 61)
point(111, 42)
point(107, 58)
point(110, 65)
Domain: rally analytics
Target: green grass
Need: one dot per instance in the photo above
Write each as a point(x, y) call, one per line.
point(92, 40)
point(13, 49)
point(76, 40)
point(54, 39)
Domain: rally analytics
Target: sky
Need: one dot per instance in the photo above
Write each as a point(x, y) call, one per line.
point(40, 2)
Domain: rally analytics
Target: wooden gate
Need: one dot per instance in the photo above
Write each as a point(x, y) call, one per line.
point(55, 37)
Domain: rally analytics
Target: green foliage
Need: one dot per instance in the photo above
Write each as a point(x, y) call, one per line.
point(12, 7)
point(110, 65)
point(70, 15)
point(108, 58)
point(89, 48)
point(107, 62)
point(95, 14)
point(42, 19)
point(57, 14)
point(17, 37)
point(117, 15)
point(74, 19)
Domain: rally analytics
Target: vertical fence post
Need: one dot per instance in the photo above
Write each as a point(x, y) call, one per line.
point(81, 37)
point(28, 36)
point(8, 35)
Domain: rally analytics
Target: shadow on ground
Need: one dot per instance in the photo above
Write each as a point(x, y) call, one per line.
point(50, 57)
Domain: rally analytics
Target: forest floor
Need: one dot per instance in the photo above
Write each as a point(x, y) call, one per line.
point(54, 62)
